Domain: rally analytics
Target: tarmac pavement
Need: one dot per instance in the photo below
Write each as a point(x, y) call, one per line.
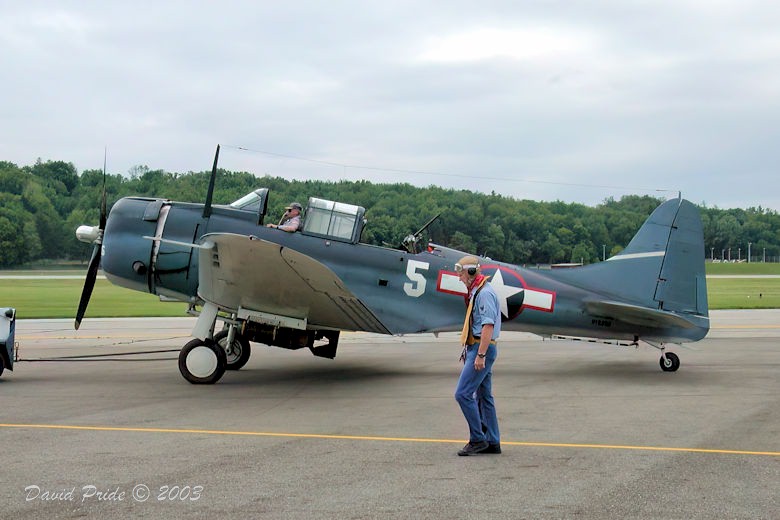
point(588, 431)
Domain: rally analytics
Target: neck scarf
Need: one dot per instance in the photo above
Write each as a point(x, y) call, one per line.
point(465, 333)
point(476, 284)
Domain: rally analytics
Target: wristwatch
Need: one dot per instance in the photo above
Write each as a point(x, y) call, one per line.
point(482, 355)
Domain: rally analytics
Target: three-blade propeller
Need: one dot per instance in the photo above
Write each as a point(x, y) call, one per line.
point(94, 262)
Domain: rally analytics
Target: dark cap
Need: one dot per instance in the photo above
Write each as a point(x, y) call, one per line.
point(295, 205)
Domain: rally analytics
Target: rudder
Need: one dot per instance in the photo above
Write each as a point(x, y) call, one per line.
point(682, 285)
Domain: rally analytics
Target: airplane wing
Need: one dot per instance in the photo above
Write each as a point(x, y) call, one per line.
point(242, 271)
point(637, 315)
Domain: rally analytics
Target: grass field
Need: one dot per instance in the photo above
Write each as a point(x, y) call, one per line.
point(59, 298)
point(743, 293)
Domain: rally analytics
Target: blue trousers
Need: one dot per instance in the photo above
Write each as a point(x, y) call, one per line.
point(475, 397)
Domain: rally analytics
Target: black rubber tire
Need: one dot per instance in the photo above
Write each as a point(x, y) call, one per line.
point(670, 362)
point(240, 353)
point(211, 377)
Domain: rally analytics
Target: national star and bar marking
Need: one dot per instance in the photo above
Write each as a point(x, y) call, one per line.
point(531, 297)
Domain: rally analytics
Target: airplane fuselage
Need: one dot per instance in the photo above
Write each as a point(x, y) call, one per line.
point(406, 292)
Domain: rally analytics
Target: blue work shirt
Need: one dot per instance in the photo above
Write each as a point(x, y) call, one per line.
point(486, 312)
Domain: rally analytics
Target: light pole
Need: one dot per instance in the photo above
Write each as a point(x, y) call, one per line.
point(722, 254)
point(764, 257)
point(729, 254)
point(749, 244)
point(604, 252)
point(739, 254)
point(712, 253)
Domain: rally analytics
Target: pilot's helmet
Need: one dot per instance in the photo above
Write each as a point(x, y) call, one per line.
point(295, 205)
point(470, 264)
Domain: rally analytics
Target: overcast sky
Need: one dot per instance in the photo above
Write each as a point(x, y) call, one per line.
point(545, 100)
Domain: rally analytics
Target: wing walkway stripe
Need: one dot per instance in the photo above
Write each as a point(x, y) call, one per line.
point(386, 439)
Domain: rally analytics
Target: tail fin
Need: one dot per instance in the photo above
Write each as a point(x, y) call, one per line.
point(682, 286)
point(662, 267)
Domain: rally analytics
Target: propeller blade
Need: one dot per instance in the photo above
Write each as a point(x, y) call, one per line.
point(97, 251)
point(89, 284)
point(103, 215)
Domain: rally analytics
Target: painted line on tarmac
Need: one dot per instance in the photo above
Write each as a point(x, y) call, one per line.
point(386, 439)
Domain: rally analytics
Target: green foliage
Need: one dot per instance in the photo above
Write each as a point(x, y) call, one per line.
point(43, 204)
point(59, 175)
point(16, 224)
point(12, 179)
point(463, 242)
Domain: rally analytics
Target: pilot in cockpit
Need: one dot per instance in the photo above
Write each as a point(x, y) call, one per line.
point(291, 220)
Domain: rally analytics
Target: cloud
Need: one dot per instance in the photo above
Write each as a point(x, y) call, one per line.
point(524, 43)
point(534, 100)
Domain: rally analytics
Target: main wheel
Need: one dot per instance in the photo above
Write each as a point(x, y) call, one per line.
point(202, 363)
point(670, 362)
point(237, 353)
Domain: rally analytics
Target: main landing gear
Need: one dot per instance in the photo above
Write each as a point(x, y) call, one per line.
point(236, 349)
point(203, 362)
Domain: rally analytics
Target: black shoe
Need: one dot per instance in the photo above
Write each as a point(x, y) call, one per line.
point(493, 448)
point(473, 448)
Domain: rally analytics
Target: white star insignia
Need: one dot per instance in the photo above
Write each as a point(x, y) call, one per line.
point(503, 291)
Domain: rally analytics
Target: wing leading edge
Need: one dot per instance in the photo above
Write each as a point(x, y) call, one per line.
point(239, 271)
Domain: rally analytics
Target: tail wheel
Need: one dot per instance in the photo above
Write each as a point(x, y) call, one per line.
point(202, 363)
point(669, 362)
point(237, 353)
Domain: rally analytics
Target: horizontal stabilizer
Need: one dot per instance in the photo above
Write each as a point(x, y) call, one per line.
point(638, 315)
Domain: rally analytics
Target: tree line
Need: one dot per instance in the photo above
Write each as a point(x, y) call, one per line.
point(42, 205)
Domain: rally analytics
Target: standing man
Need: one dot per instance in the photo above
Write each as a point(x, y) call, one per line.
point(481, 329)
point(291, 220)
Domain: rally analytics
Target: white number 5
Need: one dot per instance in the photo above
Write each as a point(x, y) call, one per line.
point(416, 287)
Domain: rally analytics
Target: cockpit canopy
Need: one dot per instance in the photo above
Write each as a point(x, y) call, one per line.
point(255, 201)
point(336, 220)
point(322, 218)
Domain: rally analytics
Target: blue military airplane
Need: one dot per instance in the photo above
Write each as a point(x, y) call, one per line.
point(295, 290)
